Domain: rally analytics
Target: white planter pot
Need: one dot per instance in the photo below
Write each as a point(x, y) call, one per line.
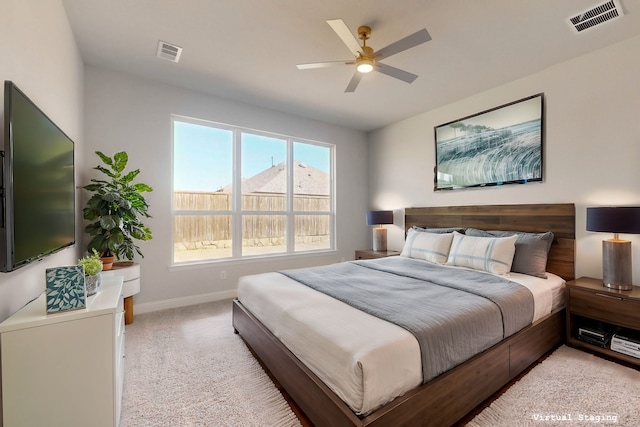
point(93, 283)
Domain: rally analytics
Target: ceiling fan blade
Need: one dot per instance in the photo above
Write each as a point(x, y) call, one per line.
point(353, 84)
point(323, 64)
point(345, 35)
point(401, 45)
point(405, 76)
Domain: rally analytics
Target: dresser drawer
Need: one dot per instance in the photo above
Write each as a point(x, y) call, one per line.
point(606, 307)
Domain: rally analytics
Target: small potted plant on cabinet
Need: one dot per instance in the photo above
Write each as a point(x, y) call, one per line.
point(92, 268)
point(115, 210)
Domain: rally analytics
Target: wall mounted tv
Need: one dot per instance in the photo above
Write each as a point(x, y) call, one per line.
point(38, 188)
point(495, 147)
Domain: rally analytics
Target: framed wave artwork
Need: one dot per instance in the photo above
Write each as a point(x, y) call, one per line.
point(495, 147)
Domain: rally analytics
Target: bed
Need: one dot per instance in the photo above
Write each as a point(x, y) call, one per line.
point(449, 395)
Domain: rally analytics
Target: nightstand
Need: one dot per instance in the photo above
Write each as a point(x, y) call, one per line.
point(371, 254)
point(587, 301)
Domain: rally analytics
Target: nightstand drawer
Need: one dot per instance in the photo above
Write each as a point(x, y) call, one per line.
point(606, 307)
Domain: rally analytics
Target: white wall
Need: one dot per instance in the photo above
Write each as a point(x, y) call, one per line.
point(592, 147)
point(40, 56)
point(133, 114)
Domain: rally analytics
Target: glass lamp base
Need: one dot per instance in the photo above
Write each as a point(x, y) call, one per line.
point(616, 264)
point(380, 239)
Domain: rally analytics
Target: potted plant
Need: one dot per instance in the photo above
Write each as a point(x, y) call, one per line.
point(115, 210)
point(92, 268)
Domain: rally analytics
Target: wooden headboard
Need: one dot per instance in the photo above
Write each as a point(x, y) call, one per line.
point(535, 218)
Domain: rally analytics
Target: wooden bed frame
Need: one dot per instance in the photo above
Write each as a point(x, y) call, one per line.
point(450, 396)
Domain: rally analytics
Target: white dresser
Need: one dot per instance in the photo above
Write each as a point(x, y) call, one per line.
point(64, 369)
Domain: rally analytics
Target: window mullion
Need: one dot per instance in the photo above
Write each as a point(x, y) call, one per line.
point(291, 230)
point(332, 202)
point(237, 213)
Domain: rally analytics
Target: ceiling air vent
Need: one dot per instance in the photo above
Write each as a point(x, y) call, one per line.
point(597, 15)
point(169, 51)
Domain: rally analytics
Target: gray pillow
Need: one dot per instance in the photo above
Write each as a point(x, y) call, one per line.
point(438, 230)
point(532, 250)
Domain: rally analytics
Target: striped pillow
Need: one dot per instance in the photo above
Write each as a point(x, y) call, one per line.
point(490, 254)
point(532, 250)
point(427, 246)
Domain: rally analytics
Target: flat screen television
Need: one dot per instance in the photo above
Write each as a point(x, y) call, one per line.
point(494, 147)
point(38, 188)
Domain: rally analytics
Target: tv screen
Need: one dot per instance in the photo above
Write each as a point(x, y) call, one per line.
point(495, 147)
point(38, 183)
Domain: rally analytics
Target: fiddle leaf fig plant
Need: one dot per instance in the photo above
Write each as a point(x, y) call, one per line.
point(116, 209)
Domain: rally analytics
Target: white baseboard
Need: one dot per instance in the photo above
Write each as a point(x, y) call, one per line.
point(149, 307)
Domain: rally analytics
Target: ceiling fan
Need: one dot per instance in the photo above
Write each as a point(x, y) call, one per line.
point(366, 59)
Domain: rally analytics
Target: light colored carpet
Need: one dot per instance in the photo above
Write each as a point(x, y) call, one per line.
point(186, 367)
point(569, 388)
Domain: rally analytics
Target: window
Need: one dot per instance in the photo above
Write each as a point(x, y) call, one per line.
point(240, 193)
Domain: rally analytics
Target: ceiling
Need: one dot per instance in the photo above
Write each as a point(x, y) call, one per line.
point(247, 50)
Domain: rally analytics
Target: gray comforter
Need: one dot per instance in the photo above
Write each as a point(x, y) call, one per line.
point(454, 314)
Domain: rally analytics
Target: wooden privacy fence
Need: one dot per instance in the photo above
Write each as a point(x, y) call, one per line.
point(193, 231)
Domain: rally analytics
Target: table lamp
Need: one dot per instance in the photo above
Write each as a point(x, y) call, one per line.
point(616, 253)
point(379, 233)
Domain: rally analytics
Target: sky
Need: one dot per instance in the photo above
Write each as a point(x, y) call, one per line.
point(203, 156)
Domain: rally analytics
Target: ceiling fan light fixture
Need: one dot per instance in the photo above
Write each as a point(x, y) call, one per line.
point(366, 59)
point(365, 65)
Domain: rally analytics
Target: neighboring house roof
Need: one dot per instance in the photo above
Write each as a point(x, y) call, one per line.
point(306, 180)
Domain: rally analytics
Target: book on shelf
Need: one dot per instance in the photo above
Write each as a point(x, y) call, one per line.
point(594, 341)
point(626, 342)
point(615, 346)
point(628, 336)
point(595, 333)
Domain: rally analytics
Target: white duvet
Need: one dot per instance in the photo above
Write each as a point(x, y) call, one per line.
point(366, 361)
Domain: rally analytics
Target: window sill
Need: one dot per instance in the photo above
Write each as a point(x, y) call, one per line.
point(194, 265)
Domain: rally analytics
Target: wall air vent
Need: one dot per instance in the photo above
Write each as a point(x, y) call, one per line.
point(168, 51)
point(595, 16)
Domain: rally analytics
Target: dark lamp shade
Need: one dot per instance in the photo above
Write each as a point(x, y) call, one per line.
point(621, 219)
point(379, 217)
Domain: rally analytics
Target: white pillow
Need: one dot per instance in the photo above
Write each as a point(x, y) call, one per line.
point(427, 246)
point(491, 254)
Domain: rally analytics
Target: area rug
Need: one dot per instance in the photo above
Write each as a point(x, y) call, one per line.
point(569, 388)
point(186, 367)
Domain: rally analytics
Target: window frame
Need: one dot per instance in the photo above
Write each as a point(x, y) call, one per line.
point(237, 214)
